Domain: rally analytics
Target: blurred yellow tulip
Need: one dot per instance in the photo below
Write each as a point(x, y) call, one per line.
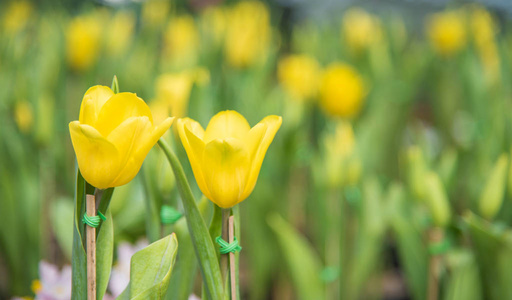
point(248, 33)
point(16, 16)
point(484, 30)
point(341, 90)
point(181, 41)
point(173, 91)
point(341, 165)
point(119, 33)
point(113, 135)
point(226, 157)
point(23, 115)
point(298, 74)
point(83, 41)
point(447, 32)
point(360, 29)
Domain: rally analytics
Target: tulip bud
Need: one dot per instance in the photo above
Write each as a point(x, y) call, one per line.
point(492, 194)
point(23, 116)
point(417, 168)
point(437, 200)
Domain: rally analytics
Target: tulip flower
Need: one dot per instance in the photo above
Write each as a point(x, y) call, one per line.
point(298, 74)
point(226, 157)
point(113, 135)
point(447, 32)
point(360, 29)
point(342, 90)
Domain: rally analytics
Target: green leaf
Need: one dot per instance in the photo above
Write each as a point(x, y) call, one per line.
point(150, 270)
point(104, 255)
point(493, 253)
point(464, 281)
point(62, 220)
point(411, 249)
point(79, 260)
point(203, 244)
point(303, 263)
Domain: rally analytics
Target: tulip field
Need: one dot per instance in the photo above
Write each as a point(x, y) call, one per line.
point(157, 149)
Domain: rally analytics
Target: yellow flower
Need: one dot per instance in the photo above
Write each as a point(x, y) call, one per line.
point(16, 16)
point(340, 164)
point(342, 90)
point(112, 136)
point(360, 29)
point(83, 39)
point(298, 74)
point(226, 157)
point(181, 41)
point(36, 286)
point(248, 33)
point(23, 116)
point(447, 32)
point(119, 32)
point(484, 30)
point(173, 90)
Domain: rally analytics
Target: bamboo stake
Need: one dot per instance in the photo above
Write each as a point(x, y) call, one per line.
point(232, 259)
point(91, 249)
point(225, 236)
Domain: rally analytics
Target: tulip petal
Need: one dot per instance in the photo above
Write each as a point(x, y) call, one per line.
point(133, 139)
point(98, 159)
point(226, 168)
point(272, 125)
point(191, 134)
point(226, 124)
point(93, 101)
point(119, 108)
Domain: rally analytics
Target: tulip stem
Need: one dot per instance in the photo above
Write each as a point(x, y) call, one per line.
point(91, 249)
point(232, 272)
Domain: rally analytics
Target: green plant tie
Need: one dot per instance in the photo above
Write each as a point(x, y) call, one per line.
point(102, 216)
point(226, 247)
point(169, 215)
point(439, 247)
point(329, 274)
point(93, 221)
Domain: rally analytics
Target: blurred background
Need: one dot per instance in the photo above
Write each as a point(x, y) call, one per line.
point(390, 177)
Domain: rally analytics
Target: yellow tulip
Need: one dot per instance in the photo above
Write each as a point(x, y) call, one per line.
point(119, 33)
point(248, 33)
point(298, 74)
point(83, 39)
point(360, 29)
point(154, 13)
point(16, 16)
point(484, 30)
point(112, 136)
point(23, 115)
point(181, 41)
point(226, 157)
point(342, 90)
point(447, 32)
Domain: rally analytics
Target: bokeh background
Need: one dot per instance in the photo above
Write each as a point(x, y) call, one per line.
point(390, 177)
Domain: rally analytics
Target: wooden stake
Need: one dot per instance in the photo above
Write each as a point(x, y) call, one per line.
point(91, 249)
point(232, 259)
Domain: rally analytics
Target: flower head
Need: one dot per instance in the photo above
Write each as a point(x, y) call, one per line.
point(226, 157)
point(181, 41)
point(83, 41)
point(447, 32)
point(342, 90)
point(298, 74)
point(248, 33)
point(360, 29)
point(113, 135)
point(52, 284)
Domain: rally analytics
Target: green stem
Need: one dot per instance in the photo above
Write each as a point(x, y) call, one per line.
point(203, 244)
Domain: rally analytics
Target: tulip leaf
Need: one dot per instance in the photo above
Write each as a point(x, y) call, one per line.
point(464, 281)
point(303, 263)
point(203, 244)
point(493, 253)
point(79, 260)
point(104, 255)
point(150, 270)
